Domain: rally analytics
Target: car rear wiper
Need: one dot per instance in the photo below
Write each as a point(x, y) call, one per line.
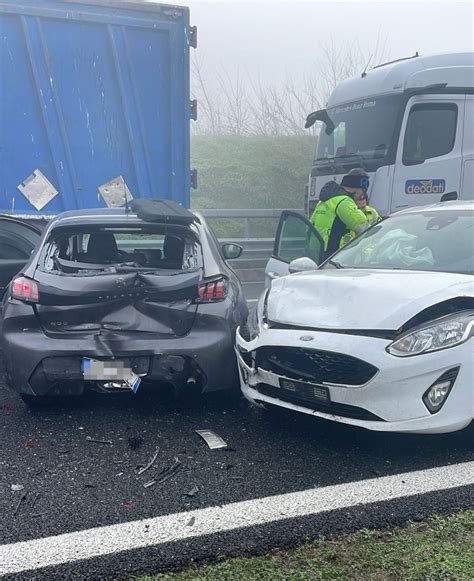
point(335, 264)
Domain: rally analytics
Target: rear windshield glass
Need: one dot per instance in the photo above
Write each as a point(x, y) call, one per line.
point(91, 250)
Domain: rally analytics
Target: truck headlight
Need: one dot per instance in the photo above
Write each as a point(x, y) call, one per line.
point(446, 332)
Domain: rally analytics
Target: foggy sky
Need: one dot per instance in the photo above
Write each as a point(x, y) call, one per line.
point(274, 40)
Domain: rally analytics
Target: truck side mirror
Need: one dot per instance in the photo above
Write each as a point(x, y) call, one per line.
point(449, 197)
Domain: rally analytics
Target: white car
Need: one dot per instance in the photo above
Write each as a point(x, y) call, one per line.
point(379, 336)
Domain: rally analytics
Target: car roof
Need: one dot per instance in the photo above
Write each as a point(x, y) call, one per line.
point(98, 216)
point(461, 205)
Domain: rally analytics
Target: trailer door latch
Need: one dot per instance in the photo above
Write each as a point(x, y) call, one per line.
point(194, 179)
point(193, 105)
point(193, 36)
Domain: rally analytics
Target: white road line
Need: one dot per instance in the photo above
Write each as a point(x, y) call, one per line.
point(97, 542)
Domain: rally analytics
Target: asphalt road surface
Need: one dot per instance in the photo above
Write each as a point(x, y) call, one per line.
point(54, 480)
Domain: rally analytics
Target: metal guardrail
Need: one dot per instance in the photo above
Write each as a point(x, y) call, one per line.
point(246, 216)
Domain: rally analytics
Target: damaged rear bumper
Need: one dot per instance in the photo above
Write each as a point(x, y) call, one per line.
point(39, 364)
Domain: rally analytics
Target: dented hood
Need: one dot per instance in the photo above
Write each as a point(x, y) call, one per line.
point(356, 299)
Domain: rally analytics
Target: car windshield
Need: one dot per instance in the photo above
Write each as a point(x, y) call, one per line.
point(86, 250)
point(440, 241)
point(363, 130)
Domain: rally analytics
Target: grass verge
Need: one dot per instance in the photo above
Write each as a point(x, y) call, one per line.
point(441, 547)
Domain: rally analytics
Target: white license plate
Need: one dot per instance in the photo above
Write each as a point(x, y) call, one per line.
point(112, 370)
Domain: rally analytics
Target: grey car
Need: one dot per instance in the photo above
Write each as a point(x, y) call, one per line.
point(113, 298)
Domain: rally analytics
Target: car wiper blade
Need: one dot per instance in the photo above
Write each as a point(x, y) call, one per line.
point(335, 264)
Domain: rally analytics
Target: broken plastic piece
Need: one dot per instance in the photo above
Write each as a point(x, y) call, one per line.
point(214, 441)
point(194, 490)
point(165, 474)
point(95, 441)
point(17, 487)
point(150, 463)
point(20, 501)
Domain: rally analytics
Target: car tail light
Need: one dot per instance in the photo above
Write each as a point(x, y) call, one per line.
point(212, 291)
point(25, 289)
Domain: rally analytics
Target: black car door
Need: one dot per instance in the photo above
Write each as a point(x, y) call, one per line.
point(17, 241)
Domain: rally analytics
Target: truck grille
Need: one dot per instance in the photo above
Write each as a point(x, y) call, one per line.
point(305, 397)
point(315, 366)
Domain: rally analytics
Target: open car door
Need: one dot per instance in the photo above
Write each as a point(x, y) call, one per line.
point(17, 241)
point(296, 238)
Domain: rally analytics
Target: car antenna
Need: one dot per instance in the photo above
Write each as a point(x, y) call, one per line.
point(364, 73)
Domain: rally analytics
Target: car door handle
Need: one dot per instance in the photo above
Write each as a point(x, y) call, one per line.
point(273, 275)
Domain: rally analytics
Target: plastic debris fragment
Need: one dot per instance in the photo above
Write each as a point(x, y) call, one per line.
point(214, 441)
point(150, 463)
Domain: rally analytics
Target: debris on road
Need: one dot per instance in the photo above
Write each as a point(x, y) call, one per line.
point(96, 441)
point(17, 487)
point(128, 505)
point(30, 445)
point(214, 441)
point(135, 443)
point(194, 490)
point(20, 502)
point(192, 521)
point(165, 474)
point(150, 463)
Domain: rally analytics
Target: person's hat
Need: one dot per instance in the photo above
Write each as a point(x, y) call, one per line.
point(355, 181)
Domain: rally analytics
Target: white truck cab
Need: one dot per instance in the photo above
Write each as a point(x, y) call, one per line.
point(409, 124)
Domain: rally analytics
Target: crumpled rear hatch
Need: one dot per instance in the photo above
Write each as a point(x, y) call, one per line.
point(116, 280)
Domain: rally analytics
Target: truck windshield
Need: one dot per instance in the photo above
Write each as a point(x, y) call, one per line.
point(363, 130)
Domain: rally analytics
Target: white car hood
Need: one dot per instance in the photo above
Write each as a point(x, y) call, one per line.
point(361, 299)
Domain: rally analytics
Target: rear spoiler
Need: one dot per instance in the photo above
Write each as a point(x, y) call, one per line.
point(163, 212)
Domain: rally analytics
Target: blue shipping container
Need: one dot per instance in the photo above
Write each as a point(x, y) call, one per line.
point(94, 104)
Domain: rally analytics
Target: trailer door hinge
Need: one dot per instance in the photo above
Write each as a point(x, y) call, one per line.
point(194, 179)
point(193, 105)
point(193, 36)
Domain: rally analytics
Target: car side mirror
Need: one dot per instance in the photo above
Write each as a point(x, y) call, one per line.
point(303, 264)
point(231, 251)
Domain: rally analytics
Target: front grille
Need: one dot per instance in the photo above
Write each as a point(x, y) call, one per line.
point(315, 366)
point(305, 397)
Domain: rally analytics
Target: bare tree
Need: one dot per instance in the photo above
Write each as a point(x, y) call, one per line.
point(241, 105)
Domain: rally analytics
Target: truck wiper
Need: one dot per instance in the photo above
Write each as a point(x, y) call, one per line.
point(334, 263)
point(349, 155)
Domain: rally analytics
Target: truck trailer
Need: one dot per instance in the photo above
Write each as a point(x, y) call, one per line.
point(409, 124)
point(94, 104)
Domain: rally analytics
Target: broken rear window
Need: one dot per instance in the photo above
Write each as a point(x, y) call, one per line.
point(90, 250)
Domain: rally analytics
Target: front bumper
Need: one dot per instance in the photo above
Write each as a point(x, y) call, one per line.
point(40, 364)
point(390, 401)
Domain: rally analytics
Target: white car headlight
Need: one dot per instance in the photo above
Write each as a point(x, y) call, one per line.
point(446, 332)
